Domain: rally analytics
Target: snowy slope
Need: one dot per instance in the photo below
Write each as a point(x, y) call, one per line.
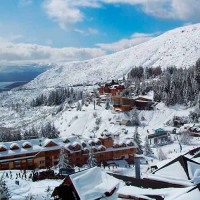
point(179, 47)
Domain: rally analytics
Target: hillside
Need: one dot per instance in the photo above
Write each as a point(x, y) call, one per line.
point(179, 47)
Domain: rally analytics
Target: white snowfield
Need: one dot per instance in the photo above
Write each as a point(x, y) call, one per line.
point(179, 47)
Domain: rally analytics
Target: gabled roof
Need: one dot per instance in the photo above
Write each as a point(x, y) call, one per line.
point(179, 168)
point(93, 183)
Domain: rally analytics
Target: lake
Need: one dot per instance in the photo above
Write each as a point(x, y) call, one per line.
point(4, 84)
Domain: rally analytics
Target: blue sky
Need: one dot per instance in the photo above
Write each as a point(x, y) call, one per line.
point(83, 29)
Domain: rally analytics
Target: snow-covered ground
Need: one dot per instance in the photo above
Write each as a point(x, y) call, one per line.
point(27, 187)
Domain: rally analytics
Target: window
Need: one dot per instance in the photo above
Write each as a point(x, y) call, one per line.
point(17, 164)
point(30, 161)
point(117, 102)
point(4, 165)
point(41, 161)
point(126, 102)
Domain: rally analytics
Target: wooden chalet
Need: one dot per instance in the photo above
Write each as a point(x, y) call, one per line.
point(112, 88)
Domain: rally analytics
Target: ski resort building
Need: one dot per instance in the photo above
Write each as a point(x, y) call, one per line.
point(126, 104)
point(112, 88)
point(44, 153)
point(160, 137)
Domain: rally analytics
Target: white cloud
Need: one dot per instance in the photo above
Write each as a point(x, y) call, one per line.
point(67, 12)
point(79, 31)
point(10, 52)
point(89, 31)
point(63, 12)
point(25, 2)
point(10, 38)
point(93, 31)
point(136, 39)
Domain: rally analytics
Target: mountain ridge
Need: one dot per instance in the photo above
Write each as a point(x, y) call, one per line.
point(179, 47)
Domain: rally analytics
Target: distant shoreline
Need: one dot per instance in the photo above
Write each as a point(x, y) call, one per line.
point(6, 86)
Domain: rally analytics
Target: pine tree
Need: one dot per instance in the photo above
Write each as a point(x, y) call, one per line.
point(107, 105)
point(185, 138)
point(197, 73)
point(138, 141)
point(4, 192)
point(161, 155)
point(92, 162)
point(147, 149)
point(134, 117)
point(63, 162)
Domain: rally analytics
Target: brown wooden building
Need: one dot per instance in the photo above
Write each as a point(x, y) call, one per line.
point(43, 153)
point(127, 104)
point(112, 88)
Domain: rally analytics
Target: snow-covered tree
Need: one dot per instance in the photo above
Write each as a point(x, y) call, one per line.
point(4, 192)
point(134, 118)
point(63, 162)
point(78, 106)
point(92, 162)
point(138, 141)
point(185, 138)
point(30, 197)
point(197, 73)
point(161, 154)
point(147, 149)
point(107, 104)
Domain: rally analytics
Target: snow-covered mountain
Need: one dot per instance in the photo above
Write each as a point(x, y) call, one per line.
point(179, 47)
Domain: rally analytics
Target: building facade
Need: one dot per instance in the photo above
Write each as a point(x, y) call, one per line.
point(44, 153)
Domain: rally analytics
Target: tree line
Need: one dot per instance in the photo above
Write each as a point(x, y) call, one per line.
point(47, 131)
point(58, 97)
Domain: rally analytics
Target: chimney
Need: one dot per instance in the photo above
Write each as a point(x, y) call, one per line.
point(137, 167)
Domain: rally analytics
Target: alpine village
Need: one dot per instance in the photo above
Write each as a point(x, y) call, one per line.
point(90, 112)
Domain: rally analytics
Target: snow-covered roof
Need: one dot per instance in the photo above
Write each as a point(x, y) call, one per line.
point(90, 141)
point(14, 145)
point(168, 193)
point(3, 146)
point(75, 144)
point(96, 140)
point(129, 141)
point(47, 141)
point(93, 183)
point(192, 195)
point(181, 170)
point(26, 143)
point(101, 146)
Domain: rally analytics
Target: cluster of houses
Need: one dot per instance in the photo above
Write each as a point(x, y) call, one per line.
point(179, 179)
point(192, 129)
point(44, 153)
point(120, 103)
